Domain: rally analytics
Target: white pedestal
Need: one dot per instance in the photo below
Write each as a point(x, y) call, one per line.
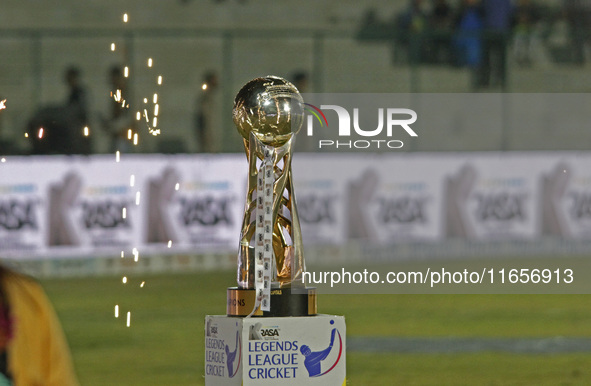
point(308, 350)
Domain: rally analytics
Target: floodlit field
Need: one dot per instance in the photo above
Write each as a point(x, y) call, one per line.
point(165, 345)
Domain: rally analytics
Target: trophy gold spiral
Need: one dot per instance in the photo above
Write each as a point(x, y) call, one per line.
point(268, 113)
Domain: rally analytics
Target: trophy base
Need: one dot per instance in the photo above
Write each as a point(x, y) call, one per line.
point(298, 351)
point(302, 302)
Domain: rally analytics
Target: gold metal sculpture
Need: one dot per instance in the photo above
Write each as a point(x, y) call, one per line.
point(268, 113)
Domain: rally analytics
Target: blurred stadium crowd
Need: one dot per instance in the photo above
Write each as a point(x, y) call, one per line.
point(463, 32)
point(413, 46)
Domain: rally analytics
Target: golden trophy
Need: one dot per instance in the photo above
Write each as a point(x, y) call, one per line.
point(268, 113)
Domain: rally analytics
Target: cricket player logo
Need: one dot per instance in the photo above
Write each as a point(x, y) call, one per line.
point(314, 359)
point(232, 355)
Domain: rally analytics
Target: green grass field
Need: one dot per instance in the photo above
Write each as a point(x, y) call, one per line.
point(165, 345)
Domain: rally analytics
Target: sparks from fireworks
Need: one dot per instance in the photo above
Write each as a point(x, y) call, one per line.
point(151, 122)
point(133, 136)
point(152, 129)
point(2, 104)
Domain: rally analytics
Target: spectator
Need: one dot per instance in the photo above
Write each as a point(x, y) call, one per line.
point(206, 120)
point(525, 17)
point(578, 16)
point(441, 16)
point(119, 121)
point(497, 16)
point(77, 95)
point(59, 129)
point(77, 108)
point(441, 23)
point(410, 26)
point(33, 349)
point(372, 28)
point(468, 44)
point(300, 80)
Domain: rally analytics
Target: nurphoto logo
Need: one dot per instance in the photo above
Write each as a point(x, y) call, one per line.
point(356, 128)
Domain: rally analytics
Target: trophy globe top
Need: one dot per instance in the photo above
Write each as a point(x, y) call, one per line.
point(271, 108)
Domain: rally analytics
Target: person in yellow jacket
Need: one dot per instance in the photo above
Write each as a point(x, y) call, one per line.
point(33, 345)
